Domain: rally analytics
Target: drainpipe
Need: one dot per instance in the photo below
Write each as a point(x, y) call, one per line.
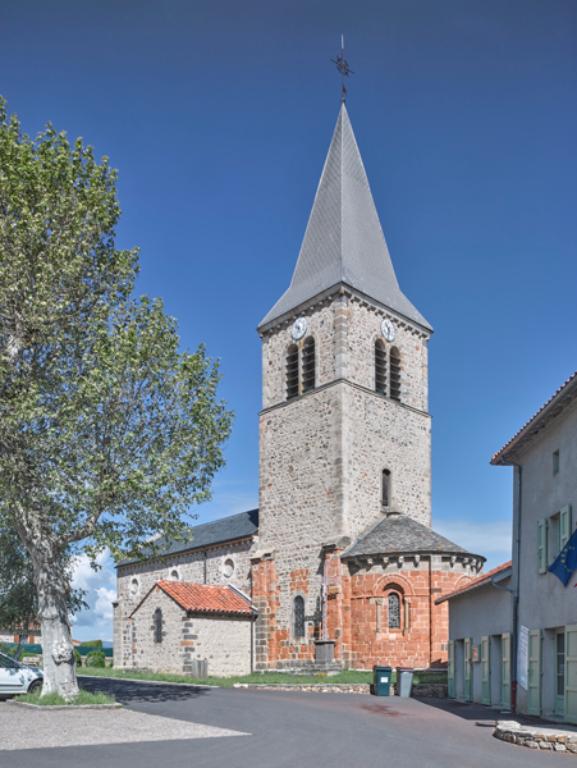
point(205, 566)
point(517, 508)
point(430, 610)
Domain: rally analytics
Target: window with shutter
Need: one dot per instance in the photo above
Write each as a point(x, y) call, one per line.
point(380, 367)
point(542, 546)
point(564, 526)
point(292, 371)
point(395, 374)
point(308, 361)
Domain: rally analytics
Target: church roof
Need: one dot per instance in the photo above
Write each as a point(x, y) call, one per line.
point(400, 534)
point(204, 598)
point(344, 241)
point(239, 526)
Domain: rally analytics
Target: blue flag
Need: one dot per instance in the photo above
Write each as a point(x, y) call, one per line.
point(566, 561)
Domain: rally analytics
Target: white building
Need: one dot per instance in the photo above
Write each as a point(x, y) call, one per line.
point(525, 602)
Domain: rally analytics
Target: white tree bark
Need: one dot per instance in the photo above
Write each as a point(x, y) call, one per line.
point(57, 648)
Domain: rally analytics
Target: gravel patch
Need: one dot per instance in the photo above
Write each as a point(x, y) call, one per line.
point(39, 729)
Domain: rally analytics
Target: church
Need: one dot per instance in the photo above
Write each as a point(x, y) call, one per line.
point(339, 567)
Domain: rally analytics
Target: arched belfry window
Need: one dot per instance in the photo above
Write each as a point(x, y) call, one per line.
point(157, 625)
point(308, 363)
point(394, 611)
point(395, 374)
point(292, 371)
point(380, 367)
point(386, 488)
point(299, 616)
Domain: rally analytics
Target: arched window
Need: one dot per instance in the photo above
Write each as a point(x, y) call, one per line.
point(308, 361)
point(380, 367)
point(394, 611)
point(174, 575)
point(386, 488)
point(395, 374)
point(299, 616)
point(157, 625)
point(292, 371)
point(134, 586)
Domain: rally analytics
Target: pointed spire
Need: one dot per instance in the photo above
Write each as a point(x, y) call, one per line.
point(344, 242)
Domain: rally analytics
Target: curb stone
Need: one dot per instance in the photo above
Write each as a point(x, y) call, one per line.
point(69, 707)
point(536, 737)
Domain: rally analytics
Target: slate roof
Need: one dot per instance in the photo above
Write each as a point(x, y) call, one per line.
point(400, 534)
point(239, 526)
point(203, 598)
point(502, 571)
point(344, 241)
point(563, 397)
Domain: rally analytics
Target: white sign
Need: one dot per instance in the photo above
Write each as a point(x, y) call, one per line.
point(523, 658)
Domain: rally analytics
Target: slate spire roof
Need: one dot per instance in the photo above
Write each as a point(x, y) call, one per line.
point(344, 241)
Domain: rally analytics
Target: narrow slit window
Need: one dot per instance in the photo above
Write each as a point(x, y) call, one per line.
point(299, 616)
point(380, 367)
point(157, 625)
point(308, 360)
point(395, 374)
point(394, 610)
point(386, 488)
point(292, 372)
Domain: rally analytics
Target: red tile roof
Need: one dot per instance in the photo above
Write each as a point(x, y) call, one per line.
point(478, 582)
point(206, 598)
point(553, 407)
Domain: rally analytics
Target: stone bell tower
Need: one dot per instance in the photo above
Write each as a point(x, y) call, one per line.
point(344, 428)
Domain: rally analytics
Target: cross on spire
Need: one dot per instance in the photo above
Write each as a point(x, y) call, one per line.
point(343, 67)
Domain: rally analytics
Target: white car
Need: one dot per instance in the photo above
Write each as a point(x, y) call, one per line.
point(18, 678)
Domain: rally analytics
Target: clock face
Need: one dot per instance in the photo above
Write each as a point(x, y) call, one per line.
point(388, 329)
point(299, 328)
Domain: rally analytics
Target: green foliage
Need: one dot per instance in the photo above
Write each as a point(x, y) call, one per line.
point(96, 659)
point(77, 658)
point(92, 644)
point(54, 700)
point(109, 432)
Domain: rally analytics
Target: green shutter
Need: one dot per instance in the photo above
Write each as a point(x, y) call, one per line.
point(534, 691)
point(542, 545)
point(506, 671)
point(564, 526)
point(467, 689)
point(571, 674)
point(485, 672)
point(451, 670)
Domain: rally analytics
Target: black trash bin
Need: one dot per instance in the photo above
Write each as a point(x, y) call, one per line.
point(382, 680)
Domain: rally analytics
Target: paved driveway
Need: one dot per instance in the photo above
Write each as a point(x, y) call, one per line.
point(295, 730)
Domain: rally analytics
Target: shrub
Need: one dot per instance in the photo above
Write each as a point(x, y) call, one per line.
point(96, 659)
point(77, 658)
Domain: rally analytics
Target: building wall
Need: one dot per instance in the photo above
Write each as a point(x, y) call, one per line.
point(543, 600)
point(322, 457)
point(225, 641)
point(544, 603)
point(205, 566)
point(484, 612)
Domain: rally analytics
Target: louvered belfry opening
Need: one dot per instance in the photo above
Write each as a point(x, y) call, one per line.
point(380, 367)
point(292, 371)
point(308, 361)
point(395, 374)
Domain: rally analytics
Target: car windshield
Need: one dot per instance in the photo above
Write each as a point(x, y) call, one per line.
point(7, 662)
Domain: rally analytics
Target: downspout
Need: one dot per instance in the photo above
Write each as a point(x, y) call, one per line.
point(430, 610)
point(516, 578)
point(205, 566)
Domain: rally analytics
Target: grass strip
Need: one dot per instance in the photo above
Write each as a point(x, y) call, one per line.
point(55, 700)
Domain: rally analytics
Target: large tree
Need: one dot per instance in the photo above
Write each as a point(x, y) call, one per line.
point(108, 433)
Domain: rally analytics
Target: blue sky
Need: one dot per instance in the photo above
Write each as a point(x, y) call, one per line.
point(218, 116)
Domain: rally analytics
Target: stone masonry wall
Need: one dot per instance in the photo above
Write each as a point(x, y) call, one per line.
point(200, 566)
point(224, 640)
point(322, 456)
point(357, 609)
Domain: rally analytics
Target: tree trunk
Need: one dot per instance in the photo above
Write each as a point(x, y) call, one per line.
point(57, 648)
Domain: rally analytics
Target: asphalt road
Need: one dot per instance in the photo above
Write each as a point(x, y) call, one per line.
point(293, 730)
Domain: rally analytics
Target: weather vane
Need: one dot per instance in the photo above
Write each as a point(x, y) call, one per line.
point(343, 67)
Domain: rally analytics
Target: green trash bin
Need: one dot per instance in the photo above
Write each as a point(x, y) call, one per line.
point(382, 680)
